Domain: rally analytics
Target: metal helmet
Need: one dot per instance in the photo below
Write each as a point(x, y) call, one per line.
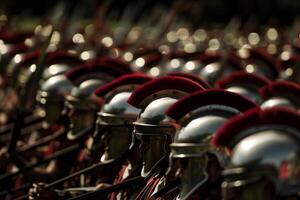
point(217, 66)
point(87, 79)
point(199, 115)
point(259, 61)
point(51, 97)
point(243, 83)
point(281, 93)
point(114, 121)
point(265, 158)
point(153, 127)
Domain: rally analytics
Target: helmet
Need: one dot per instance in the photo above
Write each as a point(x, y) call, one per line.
point(282, 93)
point(87, 78)
point(265, 155)
point(218, 65)
point(199, 115)
point(56, 86)
point(243, 83)
point(114, 121)
point(259, 61)
point(51, 96)
point(153, 127)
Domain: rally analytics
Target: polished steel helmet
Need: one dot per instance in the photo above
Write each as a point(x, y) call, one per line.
point(265, 155)
point(281, 93)
point(87, 79)
point(245, 84)
point(114, 121)
point(153, 127)
point(199, 115)
point(51, 96)
point(217, 66)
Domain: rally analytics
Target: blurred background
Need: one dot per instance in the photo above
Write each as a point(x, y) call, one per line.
point(221, 11)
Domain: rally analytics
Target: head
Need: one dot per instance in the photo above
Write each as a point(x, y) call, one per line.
point(51, 97)
point(82, 109)
point(199, 162)
point(153, 128)
point(264, 162)
point(114, 122)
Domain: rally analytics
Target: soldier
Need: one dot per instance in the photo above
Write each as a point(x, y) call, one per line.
point(264, 159)
point(154, 129)
point(199, 115)
point(245, 84)
point(281, 93)
point(114, 125)
point(81, 109)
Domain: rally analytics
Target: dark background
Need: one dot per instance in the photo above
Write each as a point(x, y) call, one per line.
point(263, 11)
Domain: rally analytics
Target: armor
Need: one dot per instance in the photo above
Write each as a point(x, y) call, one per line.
point(199, 116)
point(51, 97)
point(153, 127)
point(264, 162)
point(87, 79)
point(245, 84)
point(114, 121)
point(281, 93)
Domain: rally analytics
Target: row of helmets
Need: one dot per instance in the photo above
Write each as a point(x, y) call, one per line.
point(198, 115)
